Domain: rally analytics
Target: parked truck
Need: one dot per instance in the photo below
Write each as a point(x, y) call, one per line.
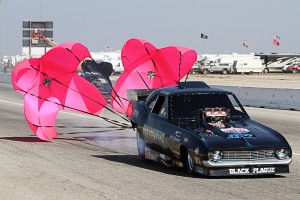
point(231, 63)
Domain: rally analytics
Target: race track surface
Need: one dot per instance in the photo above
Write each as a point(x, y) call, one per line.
point(93, 159)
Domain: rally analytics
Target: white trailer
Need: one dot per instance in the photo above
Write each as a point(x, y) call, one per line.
point(248, 65)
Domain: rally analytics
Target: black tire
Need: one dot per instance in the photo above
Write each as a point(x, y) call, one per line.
point(266, 70)
point(189, 163)
point(141, 144)
point(224, 71)
point(205, 71)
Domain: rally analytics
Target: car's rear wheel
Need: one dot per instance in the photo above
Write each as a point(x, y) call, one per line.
point(189, 163)
point(224, 71)
point(141, 144)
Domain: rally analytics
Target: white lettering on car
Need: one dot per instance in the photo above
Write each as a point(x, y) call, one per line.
point(263, 170)
point(239, 171)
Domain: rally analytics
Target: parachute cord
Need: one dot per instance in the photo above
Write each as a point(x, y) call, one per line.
point(119, 102)
point(115, 122)
point(154, 64)
point(186, 77)
point(111, 87)
point(80, 94)
point(139, 75)
point(179, 66)
point(123, 107)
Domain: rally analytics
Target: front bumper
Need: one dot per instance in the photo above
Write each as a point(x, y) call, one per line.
point(239, 168)
point(226, 163)
point(243, 171)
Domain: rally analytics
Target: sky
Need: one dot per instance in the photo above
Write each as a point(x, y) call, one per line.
point(101, 23)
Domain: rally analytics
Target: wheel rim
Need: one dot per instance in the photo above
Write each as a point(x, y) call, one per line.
point(190, 162)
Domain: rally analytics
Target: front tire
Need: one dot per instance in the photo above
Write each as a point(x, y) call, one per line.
point(189, 163)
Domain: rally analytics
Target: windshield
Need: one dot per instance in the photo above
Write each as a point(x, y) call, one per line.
point(189, 106)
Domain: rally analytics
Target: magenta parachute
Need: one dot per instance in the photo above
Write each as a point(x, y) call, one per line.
point(146, 67)
point(50, 84)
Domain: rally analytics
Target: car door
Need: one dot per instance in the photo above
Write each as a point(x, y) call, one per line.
point(156, 128)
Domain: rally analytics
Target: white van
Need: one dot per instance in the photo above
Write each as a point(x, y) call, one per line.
point(248, 65)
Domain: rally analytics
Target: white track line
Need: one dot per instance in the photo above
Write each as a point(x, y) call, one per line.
point(18, 104)
point(64, 112)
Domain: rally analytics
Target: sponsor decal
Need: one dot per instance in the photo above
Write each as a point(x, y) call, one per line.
point(175, 138)
point(234, 130)
point(237, 132)
point(153, 133)
point(239, 135)
point(254, 170)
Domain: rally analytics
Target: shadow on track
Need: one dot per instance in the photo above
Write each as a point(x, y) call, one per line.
point(136, 161)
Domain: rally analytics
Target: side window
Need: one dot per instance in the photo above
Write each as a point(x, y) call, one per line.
point(159, 102)
point(164, 109)
point(161, 107)
point(151, 103)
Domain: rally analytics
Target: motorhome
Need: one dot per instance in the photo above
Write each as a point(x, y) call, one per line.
point(248, 65)
point(276, 62)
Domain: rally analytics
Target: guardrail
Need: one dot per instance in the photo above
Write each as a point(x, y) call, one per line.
point(249, 96)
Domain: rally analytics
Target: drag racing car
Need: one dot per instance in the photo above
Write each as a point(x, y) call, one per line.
point(207, 131)
point(98, 74)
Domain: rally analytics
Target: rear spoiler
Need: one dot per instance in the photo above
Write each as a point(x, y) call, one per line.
point(138, 94)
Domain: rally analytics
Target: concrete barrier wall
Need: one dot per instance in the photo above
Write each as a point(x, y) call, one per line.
point(5, 77)
point(267, 97)
point(249, 96)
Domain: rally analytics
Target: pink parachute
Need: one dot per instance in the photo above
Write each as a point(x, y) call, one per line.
point(50, 84)
point(146, 67)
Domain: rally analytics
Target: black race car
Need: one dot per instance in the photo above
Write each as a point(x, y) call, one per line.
point(206, 130)
point(98, 74)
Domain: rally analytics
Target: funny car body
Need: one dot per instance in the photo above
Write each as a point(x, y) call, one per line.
point(207, 131)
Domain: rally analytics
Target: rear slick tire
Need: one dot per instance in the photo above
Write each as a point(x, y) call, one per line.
point(141, 144)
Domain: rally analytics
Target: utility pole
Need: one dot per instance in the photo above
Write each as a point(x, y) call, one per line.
point(41, 10)
point(0, 38)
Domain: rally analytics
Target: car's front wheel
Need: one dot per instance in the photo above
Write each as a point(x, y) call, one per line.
point(141, 144)
point(189, 163)
point(205, 71)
